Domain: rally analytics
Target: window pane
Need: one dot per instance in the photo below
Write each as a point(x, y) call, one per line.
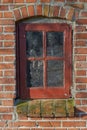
point(55, 74)
point(34, 44)
point(54, 43)
point(34, 73)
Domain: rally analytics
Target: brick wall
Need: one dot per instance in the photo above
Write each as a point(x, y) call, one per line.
point(73, 12)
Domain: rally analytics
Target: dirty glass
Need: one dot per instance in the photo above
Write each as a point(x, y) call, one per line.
point(55, 74)
point(34, 73)
point(54, 43)
point(34, 44)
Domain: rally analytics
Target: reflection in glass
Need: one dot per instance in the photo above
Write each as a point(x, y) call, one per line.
point(55, 73)
point(34, 44)
point(34, 73)
point(54, 43)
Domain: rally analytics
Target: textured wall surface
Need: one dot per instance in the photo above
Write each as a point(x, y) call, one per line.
point(73, 12)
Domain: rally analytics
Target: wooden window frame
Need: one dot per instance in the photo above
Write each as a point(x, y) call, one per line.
point(23, 91)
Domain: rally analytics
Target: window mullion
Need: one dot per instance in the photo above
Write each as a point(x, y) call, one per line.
point(45, 62)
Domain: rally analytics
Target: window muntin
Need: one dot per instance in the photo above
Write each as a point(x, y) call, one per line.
point(45, 58)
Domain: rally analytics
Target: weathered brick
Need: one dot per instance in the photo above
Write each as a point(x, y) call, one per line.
point(47, 1)
point(9, 58)
point(56, 11)
point(8, 15)
point(9, 73)
point(81, 73)
point(17, 14)
point(81, 87)
point(81, 80)
point(81, 51)
point(9, 29)
point(3, 7)
point(80, 58)
point(8, 44)
point(7, 1)
point(31, 10)
point(9, 88)
point(24, 12)
point(63, 13)
point(70, 14)
point(82, 21)
point(17, 1)
point(39, 9)
point(46, 10)
point(74, 124)
point(7, 81)
point(7, 117)
point(31, 1)
point(7, 51)
point(8, 102)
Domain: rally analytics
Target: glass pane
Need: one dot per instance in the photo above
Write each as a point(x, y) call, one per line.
point(54, 43)
point(34, 73)
point(34, 44)
point(55, 74)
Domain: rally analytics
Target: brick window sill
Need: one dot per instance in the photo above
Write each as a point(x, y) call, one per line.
point(46, 108)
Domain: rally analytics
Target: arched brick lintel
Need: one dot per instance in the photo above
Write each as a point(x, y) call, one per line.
point(66, 12)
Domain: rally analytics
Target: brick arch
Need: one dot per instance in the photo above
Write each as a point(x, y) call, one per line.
point(66, 12)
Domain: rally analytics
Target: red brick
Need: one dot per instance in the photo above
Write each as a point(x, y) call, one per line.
point(59, 0)
point(9, 44)
point(5, 110)
point(1, 14)
point(70, 14)
point(56, 11)
point(80, 28)
point(7, 1)
point(81, 95)
point(81, 73)
point(39, 9)
point(84, 102)
point(1, 73)
point(7, 81)
point(7, 117)
point(31, 10)
point(24, 12)
point(83, 14)
point(6, 95)
point(9, 58)
point(9, 73)
point(81, 36)
point(8, 15)
point(9, 88)
point(82, 21)
point(81, 80)
point(6, 51)
point(6, 22)
point(55, 123)
point(80, 87)
point(24, 123)
point(1, 58)
point(81, 51)
point(81, 65)
point(9, 37)
point(9, 29)
point(63, 13)
point(46, 10)
point(78, 102)
point(31, 1)
point(80, 43)
point(7, 66)
point(7, 103)
point(2, 124)
point(3, 7)
point(1, 29)
point(74, 124)
point(17, 14)
point(80, 58)
point(47, 1)
point(17, 1)
point(44, 124)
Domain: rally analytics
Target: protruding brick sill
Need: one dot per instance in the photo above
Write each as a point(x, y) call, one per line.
point(46, 108)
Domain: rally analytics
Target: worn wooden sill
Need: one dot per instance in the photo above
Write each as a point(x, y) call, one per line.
point(46, 108)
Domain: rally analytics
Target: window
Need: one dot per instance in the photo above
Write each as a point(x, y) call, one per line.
point(43, 60)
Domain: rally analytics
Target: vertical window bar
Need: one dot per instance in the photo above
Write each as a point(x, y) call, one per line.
point(45, 62)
